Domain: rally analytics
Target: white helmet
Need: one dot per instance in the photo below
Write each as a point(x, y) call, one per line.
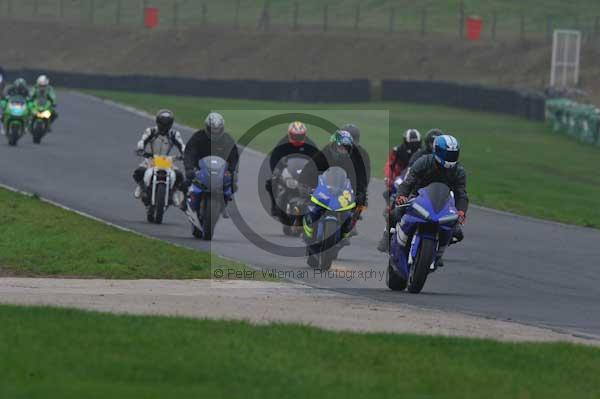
point(43, 80)
point(412, 136)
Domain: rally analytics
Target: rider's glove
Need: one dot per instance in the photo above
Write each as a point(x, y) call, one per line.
point(139, 152)
point(361, 199)
point(401, 200)
point(462, 217)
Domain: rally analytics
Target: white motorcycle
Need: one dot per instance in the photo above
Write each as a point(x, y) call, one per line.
point(159, 179)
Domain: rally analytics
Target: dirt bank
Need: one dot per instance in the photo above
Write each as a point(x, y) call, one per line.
point(261, 302)
point(205, 53)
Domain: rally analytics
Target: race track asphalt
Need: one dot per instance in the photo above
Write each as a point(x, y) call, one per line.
point(508, 268)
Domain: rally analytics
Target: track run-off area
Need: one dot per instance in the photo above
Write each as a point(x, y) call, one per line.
point(509, 268)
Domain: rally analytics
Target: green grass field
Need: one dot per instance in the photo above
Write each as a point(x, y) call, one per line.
point(39, 239)
point(62, 353)
point(513, 164)
point(442, 15)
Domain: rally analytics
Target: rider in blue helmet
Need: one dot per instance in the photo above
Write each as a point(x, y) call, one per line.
point(441, 166)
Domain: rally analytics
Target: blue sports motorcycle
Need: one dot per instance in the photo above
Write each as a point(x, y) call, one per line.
point(335, 199)
point(429, 222)
point(211, 188)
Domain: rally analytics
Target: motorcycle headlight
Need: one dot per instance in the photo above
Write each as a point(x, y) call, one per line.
point(420, 210)
point(291, 183)
point(44, 114)
point(450, 219)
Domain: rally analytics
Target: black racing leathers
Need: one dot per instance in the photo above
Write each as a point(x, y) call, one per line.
point(201, 145)
point(426, 171)
point(353, 165)
point(415, 157)
point(365, 159)
point(284, 148)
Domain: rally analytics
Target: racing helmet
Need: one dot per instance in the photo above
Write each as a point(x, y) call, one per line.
point(430, 138)
point(342, 143)
point(412, 140)
point(354, 131)
point(43, 81)
point(164, 121)
point(446, 151)
point(215, 125)
point(297, 134)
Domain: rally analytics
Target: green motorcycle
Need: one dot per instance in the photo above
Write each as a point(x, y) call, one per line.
point(41, 114)
point(16, 118)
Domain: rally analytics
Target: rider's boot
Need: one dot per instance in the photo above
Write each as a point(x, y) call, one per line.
point(138, 192)
point(225, 212)
point(178, 198)
point(439, 261)
point(384, 243)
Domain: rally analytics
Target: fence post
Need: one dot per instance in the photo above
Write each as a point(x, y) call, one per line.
point(91, 12)
point(423, 21)
point(596, 25)
point(118, 13)
point(325, 18)
point(36, 7)
point(295, 16)
point(549, 26)
point(392, 19)
point(9, 10)
point(494, 22)
point(204, 14)
point(357, 17)
point(175, 21)
point(522, 23)
point(264, 21)
point(461, 20)
point(144, 6)
point(61, 9)
point(236, 15)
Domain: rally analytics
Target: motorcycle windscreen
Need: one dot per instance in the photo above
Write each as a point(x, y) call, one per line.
point(335, 179)
point(439, 195)
point(215, 167)
point(17, 106)
point(295, 165)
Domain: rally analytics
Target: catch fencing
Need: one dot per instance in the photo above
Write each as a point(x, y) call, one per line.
point(526, 104)
point(497, 20)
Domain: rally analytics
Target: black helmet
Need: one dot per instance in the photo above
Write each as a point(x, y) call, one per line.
point(354, 132)
point(164, 121)
point(215, 125)
point(412, 140)
point(430, 138)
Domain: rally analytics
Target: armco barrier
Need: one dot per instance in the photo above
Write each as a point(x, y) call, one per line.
point(295, 90)
point(525, 104)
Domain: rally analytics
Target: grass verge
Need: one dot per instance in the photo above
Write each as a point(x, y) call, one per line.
point(513, 164)
point(64, 353)
point(40, 239)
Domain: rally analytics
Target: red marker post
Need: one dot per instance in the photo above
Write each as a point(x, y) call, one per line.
point(474, 26)
point(151, 16)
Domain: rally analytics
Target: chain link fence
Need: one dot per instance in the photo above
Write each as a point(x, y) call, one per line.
point(312, 15)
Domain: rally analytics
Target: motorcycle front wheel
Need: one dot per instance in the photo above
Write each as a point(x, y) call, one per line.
point(420, 268)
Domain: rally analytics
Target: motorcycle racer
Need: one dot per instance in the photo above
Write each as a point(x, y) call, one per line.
point(296, 142)
point(159, 140)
